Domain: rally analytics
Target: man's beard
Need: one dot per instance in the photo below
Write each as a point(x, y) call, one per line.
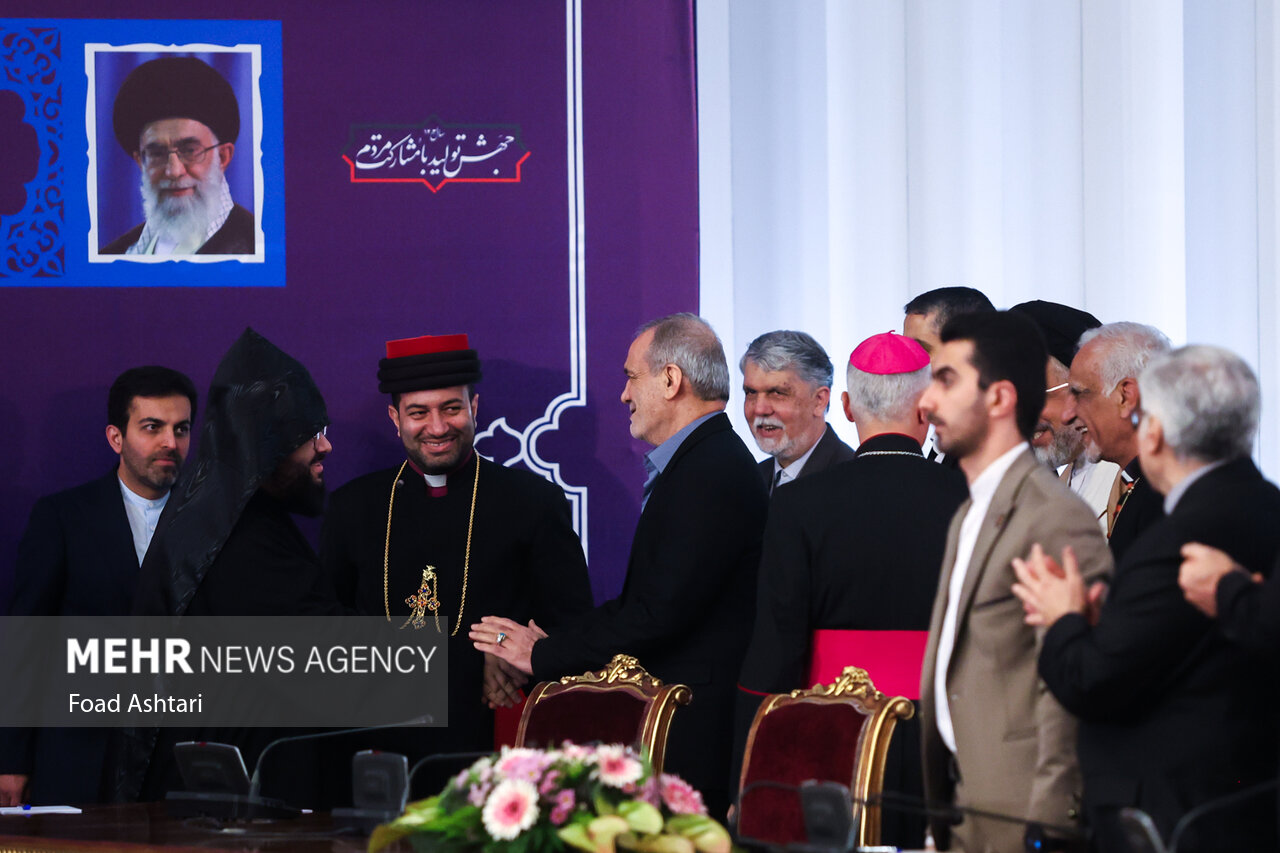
point(184, 219)
point(1091, 453)
point(777, 445)
point(292, 485)
point(160, 479)
point(963, 437)
point(1063, 448)
point(465, 439)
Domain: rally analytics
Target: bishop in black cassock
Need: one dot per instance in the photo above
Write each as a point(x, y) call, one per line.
point(496, 539)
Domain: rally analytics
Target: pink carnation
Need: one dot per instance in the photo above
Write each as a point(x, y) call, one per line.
point(565, 802)
point(510, 810)
point(578, 752)
point(525, 764)
point(680, 796)
point(616, 767)
point(549, 783)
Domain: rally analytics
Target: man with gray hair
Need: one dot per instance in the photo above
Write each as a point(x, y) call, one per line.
point(1106, 399)
point(786, 383)
point(1173, 714)
point(851, 560)
point(688, 602)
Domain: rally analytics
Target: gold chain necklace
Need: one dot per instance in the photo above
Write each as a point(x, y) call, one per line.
point(426, 597)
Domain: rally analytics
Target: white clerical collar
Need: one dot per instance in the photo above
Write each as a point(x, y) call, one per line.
point(436, 481)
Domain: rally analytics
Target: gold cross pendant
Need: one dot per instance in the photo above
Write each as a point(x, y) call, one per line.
point(426, 598)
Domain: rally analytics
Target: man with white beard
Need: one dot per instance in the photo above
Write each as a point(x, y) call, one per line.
point(786, 382)
point(178, 118)
point(1105, 397)
point(1056, 442)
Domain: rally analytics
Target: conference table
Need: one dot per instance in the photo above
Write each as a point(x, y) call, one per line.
point(142, 827)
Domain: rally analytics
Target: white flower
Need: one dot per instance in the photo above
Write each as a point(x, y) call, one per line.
point(616, 767)
point(510, 810)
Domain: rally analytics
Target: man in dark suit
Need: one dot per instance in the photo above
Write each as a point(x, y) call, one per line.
point(786, 380)
point(851, 559)
point(80, 555)
point(686, 608)
point(1105, 397)
point(1172, 713)
point(1247, 609)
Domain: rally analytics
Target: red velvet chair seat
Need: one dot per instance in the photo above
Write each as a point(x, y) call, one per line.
point(832, 733)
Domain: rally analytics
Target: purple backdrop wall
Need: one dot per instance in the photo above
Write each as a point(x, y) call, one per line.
point(371, 261)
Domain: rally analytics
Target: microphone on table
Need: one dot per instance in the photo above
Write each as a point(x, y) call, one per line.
point(829, 828)
point(219, 787)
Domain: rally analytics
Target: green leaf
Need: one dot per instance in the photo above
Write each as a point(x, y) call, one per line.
point(603, 806)
point(707, 835)
point(641, 816)
point(575, 835)
point(658, 844)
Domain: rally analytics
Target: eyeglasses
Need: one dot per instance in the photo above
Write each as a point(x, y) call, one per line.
point(190, 153)
point(1056, 388)
point(324, 431)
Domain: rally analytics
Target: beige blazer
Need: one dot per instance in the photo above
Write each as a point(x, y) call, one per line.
point(1016, 746)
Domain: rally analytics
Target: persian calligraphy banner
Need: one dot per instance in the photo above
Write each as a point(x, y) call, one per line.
point(406, 168)
point(434, 154)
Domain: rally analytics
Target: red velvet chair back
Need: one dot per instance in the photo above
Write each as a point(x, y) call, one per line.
point(586, 715)
point(618, 704)
point(833, 733)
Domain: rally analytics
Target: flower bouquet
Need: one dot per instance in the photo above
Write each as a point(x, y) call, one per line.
point(597, 799)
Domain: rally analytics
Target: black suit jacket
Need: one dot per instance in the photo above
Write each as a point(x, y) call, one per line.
point(1172, 714)
point(1143, 508)
point(687, 604)
point(76, 558)
point(1249, 613)
point(829, 450)
point(858, 547)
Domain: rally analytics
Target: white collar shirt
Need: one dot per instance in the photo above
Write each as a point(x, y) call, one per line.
point(981, 492)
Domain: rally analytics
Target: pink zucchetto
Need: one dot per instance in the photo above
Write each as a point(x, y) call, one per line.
point(889, 353)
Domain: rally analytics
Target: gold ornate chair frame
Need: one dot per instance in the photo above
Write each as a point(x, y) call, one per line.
point(625, 674)
point(852, 687)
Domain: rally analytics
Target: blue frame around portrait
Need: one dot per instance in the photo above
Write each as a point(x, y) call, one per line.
point(84, 192)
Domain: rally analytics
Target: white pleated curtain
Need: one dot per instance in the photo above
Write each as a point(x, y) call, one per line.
point(1115, 155)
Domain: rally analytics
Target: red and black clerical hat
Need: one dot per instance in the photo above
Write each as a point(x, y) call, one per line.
point(427, 363)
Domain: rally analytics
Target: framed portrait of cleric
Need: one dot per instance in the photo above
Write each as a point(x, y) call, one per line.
point(175, 164)
point(158, 153)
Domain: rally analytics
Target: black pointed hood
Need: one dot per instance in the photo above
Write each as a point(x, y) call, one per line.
point(263, 405)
